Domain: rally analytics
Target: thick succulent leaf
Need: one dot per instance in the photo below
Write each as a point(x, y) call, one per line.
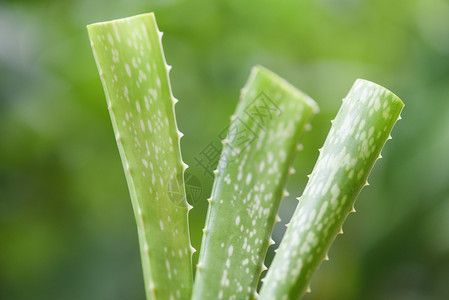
point(132, 67)
point(250, 179)
point(358, 133)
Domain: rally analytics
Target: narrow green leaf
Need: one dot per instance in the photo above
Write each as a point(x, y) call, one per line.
point(258, 151)
point(358, 133)
point(132, 67)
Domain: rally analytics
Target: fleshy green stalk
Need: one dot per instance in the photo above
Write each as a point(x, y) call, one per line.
point(250, 180)
point(132, 68)
point(354, 143)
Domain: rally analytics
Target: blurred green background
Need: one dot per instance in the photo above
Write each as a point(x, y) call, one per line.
point(66, 225)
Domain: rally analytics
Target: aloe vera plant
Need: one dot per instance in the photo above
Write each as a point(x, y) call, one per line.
point(358, 133)
point(250, 179)
point(135, 79)
point(258, 151)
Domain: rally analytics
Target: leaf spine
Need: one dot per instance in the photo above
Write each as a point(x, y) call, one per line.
point(277, 218)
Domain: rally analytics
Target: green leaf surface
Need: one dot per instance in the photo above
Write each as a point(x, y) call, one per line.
point(132, 68)
point(250, 179)
point(361, 128)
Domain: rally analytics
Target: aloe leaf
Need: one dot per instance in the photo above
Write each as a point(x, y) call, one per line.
point(361, 128)
point(132, 68)
point(250, 180)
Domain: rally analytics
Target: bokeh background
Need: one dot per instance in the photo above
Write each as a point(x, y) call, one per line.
point(66, 225)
